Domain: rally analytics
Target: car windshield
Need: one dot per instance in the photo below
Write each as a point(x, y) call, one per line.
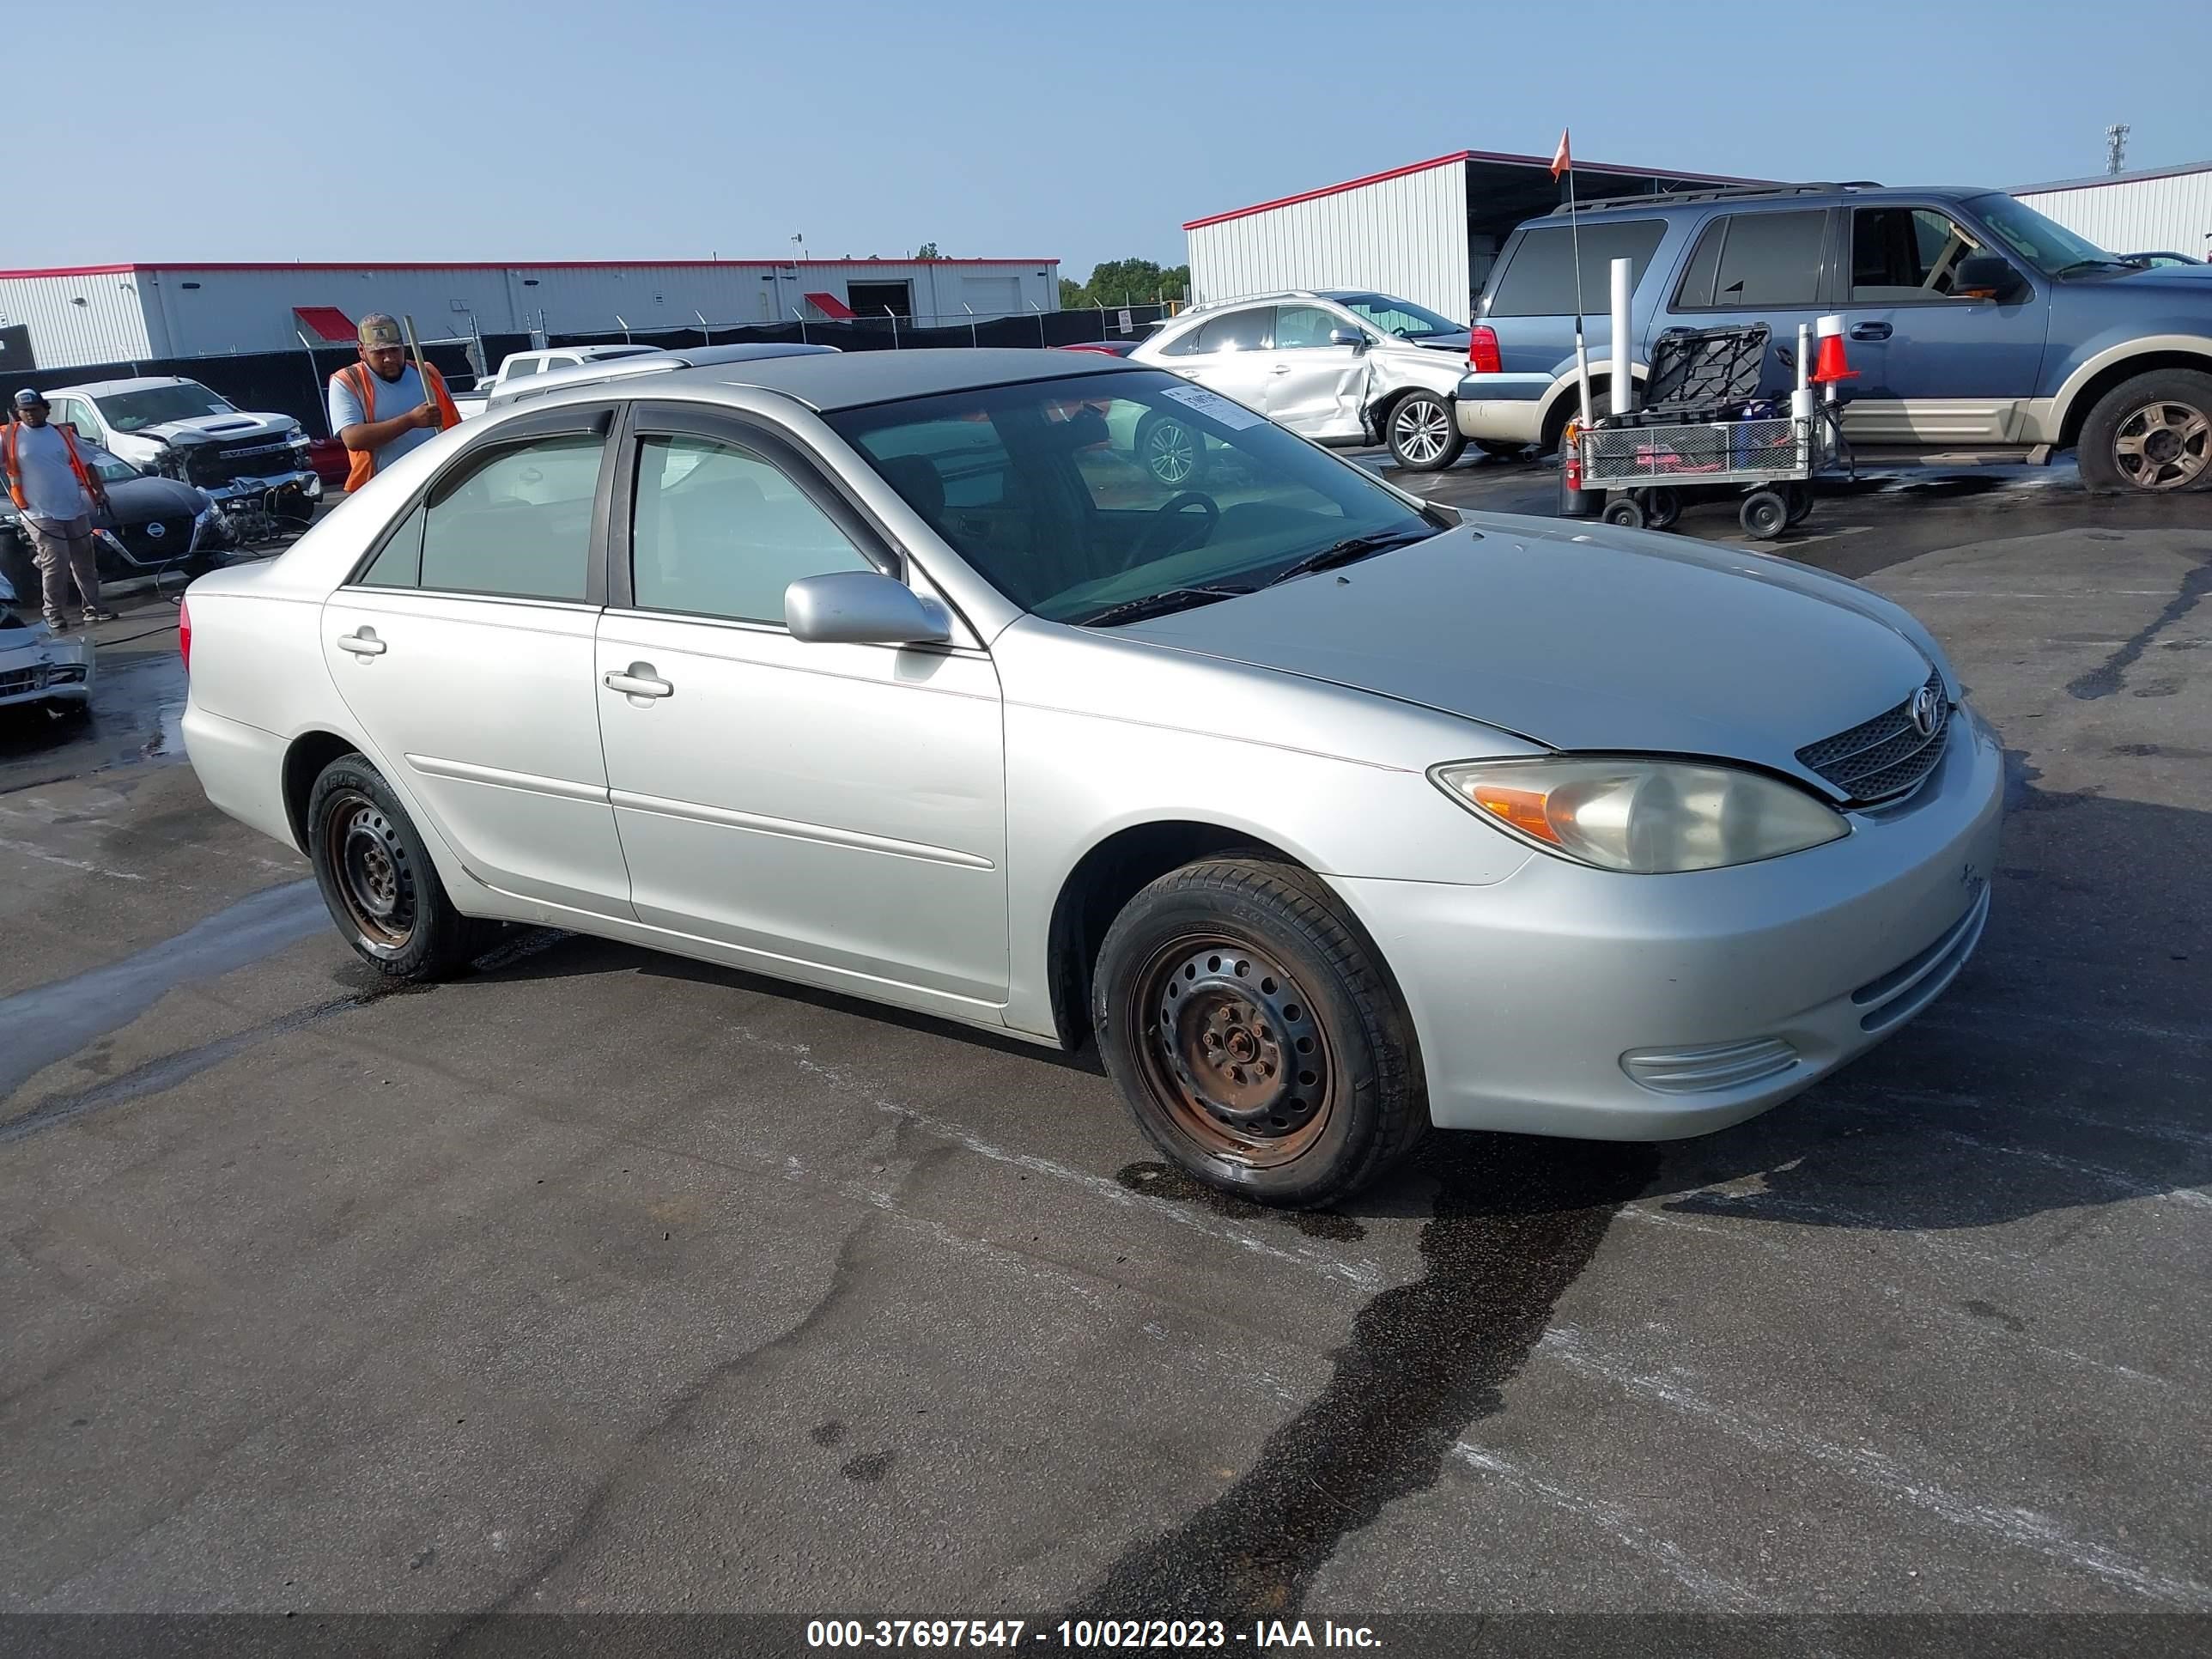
point(110, 468)
point(1093, 494)
point(130, 412)
point(2050, 248)
point(1400, 317)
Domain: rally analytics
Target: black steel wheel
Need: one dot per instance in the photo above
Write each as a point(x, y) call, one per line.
point(1798, 498)
point(1254, 1036)
point(1172, 451)
point(378, 881)
point(1623, 510)
point(1662, 505)
point(1763, 514)
point(1422, 432)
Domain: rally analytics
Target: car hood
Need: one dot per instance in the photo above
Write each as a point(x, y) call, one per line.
point(214, 428)
point(137, 499)
point(1593, 641)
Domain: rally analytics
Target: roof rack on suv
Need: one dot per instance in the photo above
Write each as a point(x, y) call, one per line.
point(1718, 193)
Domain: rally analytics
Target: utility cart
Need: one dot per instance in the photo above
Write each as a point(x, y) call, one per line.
point(1708, 427)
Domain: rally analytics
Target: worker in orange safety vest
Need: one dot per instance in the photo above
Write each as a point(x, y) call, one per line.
point(56, 495)
point(385, 377)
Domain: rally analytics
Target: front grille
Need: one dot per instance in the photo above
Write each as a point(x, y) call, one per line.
point(146, 548)
point(249, 458)
point(1884, 757)
point(13, 684)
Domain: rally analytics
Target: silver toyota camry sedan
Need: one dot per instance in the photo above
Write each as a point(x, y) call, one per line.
point(1329, 814)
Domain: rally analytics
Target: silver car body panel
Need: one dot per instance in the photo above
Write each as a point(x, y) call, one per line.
point(900, 823)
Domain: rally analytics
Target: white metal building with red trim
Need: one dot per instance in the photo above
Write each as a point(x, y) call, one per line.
point(2149, 210)
point(1427, 232)
point(124, 312)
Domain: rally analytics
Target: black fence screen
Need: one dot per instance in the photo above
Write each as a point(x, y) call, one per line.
point(295, 382)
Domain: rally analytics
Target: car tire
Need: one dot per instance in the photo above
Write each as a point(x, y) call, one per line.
point(1799, 498)
point(1624, 512)
point(378, 881)
point(1254, 1037)
point(1422, 432)
point(2150, 434)
point(1662, 505)
point(1763, 514)
point(1172, 451)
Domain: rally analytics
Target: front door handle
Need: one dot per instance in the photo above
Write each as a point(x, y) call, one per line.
point(640, 681)
point(1869, 330)
point(1280, 369)
point(361, 643)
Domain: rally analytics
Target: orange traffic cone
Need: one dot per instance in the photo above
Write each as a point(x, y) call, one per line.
point(1831, 365)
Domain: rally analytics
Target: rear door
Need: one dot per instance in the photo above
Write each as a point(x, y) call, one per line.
point(1230, 353)
point(463, 646)
point(1930, 367)
point(1315, 385)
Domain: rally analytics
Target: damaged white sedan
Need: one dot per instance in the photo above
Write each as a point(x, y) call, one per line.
point(39, 668)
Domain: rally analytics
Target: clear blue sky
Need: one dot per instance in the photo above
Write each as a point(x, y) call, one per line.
point(220, 128)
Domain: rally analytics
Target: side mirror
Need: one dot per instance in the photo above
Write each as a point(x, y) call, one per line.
point(1986, 276)
point(1350, 336)
point(861, 607)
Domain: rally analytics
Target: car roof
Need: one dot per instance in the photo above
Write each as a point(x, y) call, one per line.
point(106, 388)
point(829, 381)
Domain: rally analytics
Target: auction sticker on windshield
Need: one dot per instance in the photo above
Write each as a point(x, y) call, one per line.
point(1233, 416)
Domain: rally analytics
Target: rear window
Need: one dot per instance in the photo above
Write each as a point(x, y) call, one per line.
point(1537, 278)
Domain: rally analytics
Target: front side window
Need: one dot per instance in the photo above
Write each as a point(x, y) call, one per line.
point(1300, 328)
point(1903, 254)
point(715, 531)
point(2049, 247)
point(130, 412)
point(513, 521)
point(1538, 279)
point(522, 365)
point(1082, 525)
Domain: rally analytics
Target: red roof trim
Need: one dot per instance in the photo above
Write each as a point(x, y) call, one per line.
point(329, 323)
point(1447, 161)
point(511, 265)
point(830, 306)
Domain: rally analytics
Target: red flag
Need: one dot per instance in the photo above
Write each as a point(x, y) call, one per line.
point(1562, 160)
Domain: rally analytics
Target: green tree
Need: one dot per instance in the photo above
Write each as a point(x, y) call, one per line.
point(927, 251)
point(1125, 282)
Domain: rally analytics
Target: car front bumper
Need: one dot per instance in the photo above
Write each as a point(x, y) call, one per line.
point(48, 670)
point(1569, 1001)
point(242, 491)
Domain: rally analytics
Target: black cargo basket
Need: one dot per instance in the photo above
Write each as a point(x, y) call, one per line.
point(1701, 374)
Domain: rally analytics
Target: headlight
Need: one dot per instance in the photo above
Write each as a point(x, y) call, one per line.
point(297, 437)
point(1642, 816)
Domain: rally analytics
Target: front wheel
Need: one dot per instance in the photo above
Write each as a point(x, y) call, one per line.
point(378, 880)
point(2153, 434)
point(1423, 435)
point(1765, 514)
point(1173, 452)
point(1253, 1037)
point(1624, 512)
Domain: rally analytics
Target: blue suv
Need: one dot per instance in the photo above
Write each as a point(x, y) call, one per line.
point(1972, 321)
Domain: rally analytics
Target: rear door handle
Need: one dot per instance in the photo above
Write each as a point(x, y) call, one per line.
point(1869, 330)
point(363, 643)
point(639, 682)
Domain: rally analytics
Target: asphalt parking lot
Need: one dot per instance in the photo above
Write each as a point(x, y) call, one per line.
point(607, 1282)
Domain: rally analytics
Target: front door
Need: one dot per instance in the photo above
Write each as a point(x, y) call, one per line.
point(833, 812)
point(465, 650)
point(1315, 387)
point(1931, 367)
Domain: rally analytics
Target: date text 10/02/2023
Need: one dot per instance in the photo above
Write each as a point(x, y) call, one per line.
point(1273, 1635)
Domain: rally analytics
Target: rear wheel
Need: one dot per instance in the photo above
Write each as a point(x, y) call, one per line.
point(1798, 498)
point(1172, 452)
point(1422, 432)
point(1253, 1037)
point(1763, 514)
point(2153, 434)
point(378, 880)
point(1625, 513)
point(1662, 506)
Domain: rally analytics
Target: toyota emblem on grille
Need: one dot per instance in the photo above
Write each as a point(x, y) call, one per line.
point(157, 530)
point(1926, 710)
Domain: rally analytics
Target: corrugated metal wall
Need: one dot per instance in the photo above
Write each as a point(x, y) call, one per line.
point(108, 327)
point(201, 312)
point(1406, 235)
point(2137, 216)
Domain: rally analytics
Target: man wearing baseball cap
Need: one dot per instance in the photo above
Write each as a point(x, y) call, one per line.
point(379, 407)
point(56, 494)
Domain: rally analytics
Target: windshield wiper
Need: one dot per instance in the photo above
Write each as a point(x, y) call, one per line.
point(1160, 604)
point(2092, 264)
point(1350, 550)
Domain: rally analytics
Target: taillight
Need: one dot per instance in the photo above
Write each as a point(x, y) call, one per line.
point(184, 634)
point(1482, 354)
